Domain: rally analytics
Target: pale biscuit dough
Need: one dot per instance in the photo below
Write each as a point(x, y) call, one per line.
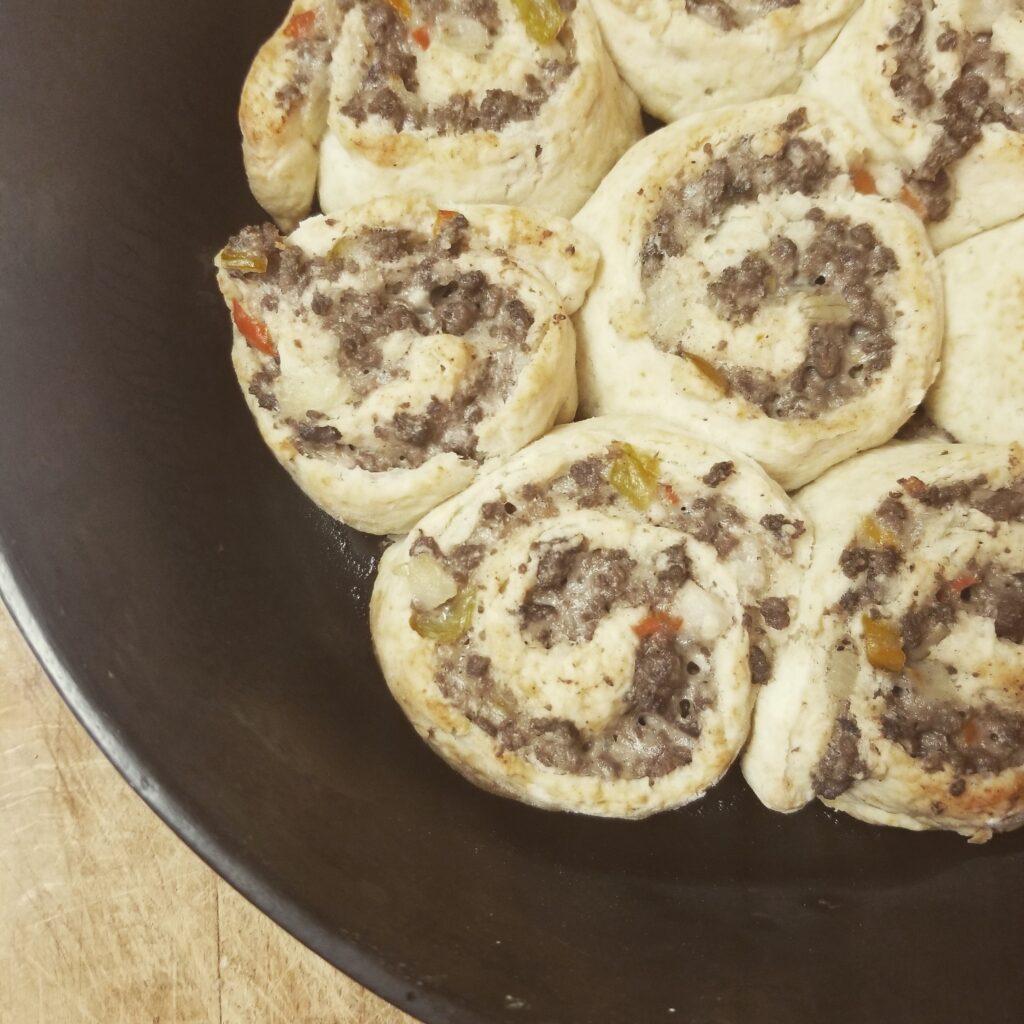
point(623, 369)
point(294, 128)
point(824, 675)
point(581, 687)
point(680, 62)
point(979, 393)
point(856, 75)
point(540, 260)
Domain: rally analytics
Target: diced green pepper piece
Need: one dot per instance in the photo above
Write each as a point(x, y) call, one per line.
point(542, 19)
point(635, 475)
point(448, 622)
point(246, 262)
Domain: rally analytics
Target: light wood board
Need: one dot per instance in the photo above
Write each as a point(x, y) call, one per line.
point(107, 917)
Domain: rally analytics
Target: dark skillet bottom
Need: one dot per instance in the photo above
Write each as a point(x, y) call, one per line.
point(210, 629)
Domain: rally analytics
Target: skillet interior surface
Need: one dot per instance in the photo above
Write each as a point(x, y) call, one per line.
point(209, 627)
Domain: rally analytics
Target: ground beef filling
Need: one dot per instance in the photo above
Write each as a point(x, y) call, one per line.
point(711, 519)
point(983, 93)
point(574, 591)
point(838, 276)
point(427, 294)
point(738, 14)
point(841, 765)
point(310, 46)
point(389, 86)
point(771, 613)
point(943, 733)
point(718, 473)
point(652, 737)
point(871, 565)
point(736, 176)
point(575, 587)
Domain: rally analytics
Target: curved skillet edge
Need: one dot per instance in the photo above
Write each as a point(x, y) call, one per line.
point(372, 972)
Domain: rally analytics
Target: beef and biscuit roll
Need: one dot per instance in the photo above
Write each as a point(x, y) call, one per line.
point(388, 353)
point(938, 90)
point(752, 291)
point(585, 627)
point(460, 101)
point(684, 58)
point(899, 699)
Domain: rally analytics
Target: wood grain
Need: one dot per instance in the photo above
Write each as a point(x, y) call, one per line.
point(107, 917)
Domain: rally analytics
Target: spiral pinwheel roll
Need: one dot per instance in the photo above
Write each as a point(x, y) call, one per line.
point(899, 699)
point(460, 101)
point(584, 628)
point(681, 58)
point(390, 352)
point(751, 292)
point(979, 393)
point(938, 89)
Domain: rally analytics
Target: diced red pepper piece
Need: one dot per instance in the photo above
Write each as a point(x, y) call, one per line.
point(658, 624)
point(254, 331)
point(442, 218)
point(961, 583)
point(300, 25)
point(909, 198)
point(422, 36)
point(863, 181)
point(670, 495)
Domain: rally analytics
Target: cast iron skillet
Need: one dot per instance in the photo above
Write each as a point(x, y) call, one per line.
point(208, 626)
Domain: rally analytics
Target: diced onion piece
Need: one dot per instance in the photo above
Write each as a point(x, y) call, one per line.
point(448, 623)
point(635, 475)
point(709, 371)
point(883, 644)
point(542, 19)
point(825, 308)
point(464, 34)
point(343, 247)
point(430, 585)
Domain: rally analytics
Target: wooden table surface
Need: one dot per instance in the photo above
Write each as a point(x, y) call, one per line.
point(107, 917)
